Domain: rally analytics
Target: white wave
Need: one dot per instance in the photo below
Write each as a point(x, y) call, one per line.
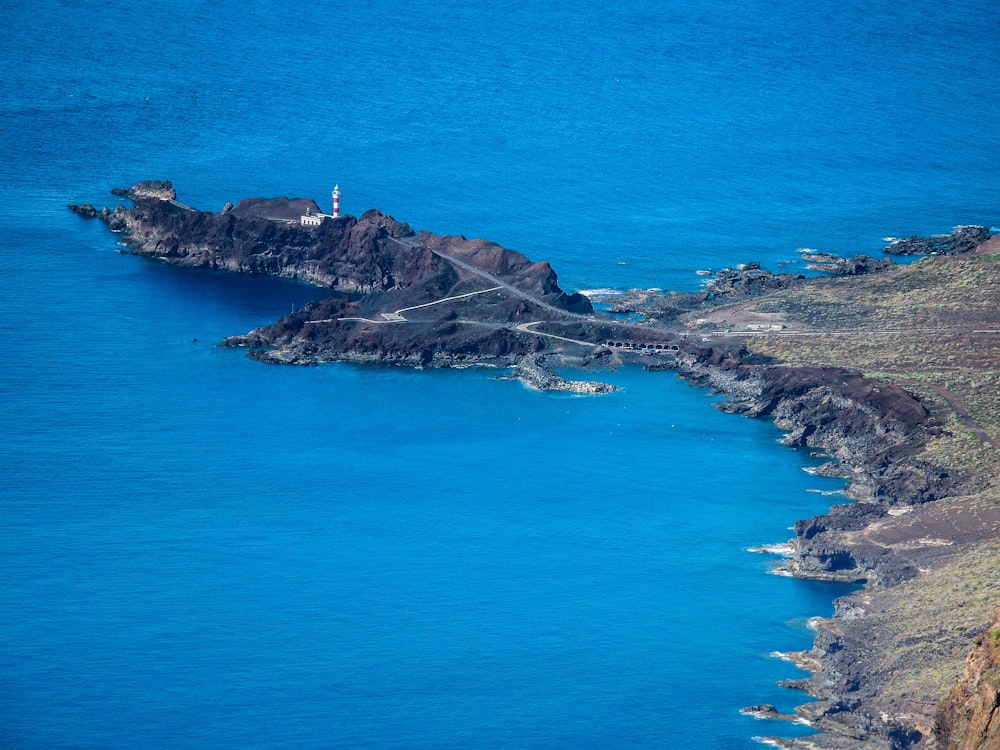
point(766, 741)
point(779, 548)
point(601, 292)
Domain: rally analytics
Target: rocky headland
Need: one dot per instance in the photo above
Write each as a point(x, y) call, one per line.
point(891, 373)
point(397, 296)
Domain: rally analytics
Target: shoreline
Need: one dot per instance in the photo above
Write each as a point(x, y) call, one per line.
point(921, 496)
point(849, 711)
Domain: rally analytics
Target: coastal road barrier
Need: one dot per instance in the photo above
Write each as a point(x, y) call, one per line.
point(643, 346)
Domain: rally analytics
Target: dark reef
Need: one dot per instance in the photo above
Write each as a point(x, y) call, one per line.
point(964, 239)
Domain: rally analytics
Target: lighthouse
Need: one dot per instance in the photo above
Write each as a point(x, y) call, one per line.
point(309, 219)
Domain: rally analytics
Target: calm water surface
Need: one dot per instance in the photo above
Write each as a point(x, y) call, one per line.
point(203, 551)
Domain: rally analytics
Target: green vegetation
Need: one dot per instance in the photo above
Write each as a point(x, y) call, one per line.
point(961, 449)
point(928, 623)
point(932, 327)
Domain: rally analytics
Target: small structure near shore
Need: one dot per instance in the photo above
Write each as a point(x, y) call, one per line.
point(309, 219)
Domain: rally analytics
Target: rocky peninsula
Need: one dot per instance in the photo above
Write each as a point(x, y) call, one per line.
point(397, 296)
point(890, 372)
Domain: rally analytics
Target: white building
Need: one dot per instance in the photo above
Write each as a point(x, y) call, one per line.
point(314, 220)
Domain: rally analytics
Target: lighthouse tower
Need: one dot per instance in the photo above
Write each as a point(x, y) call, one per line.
point(336, 201)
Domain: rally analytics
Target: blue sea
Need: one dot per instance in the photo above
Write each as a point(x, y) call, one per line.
point(201, 551)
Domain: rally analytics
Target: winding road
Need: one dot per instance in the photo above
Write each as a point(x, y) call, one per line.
point(500, 283)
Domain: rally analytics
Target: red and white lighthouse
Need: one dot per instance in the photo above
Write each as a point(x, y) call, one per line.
point(336, 201)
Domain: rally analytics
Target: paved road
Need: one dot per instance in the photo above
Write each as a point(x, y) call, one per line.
point(855, 332)
point(491, 278)
point(527, 328)
point(397, 316)
point(402, 310)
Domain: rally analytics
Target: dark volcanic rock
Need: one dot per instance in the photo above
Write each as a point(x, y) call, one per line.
point(264, 236)
point(729, 285)
point(159, 189)
point(858, 265)
point(256, 237)
point(749, 280)
point(334, 330)
point(462, 299)
point(89, 212)
point(655, 306)
point(84, 209)
point(866, 426)
point(535, 373)
point(273, 209)
point(964, 239)
point(874, 434)
point(538, 279)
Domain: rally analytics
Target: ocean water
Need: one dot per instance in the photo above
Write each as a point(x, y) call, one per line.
point(202, 551)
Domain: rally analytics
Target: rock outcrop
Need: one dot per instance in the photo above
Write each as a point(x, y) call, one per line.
point(869, 429)
point(746, 281)
point(969, 718)
point(535, 373)
point(264, 236)
point(401, 297)
point(963, 240)
point(922, 538)
point(856, 265)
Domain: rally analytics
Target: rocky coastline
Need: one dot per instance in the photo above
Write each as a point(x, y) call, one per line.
point(537, 375)
point(900, 527)
point(398, 297)
point(921, 531)
point(916, 442)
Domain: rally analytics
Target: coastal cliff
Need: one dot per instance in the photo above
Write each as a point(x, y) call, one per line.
point(969, 718)
point(891, 373)
point(893, 378)
point(362, 255)
point(924, 548)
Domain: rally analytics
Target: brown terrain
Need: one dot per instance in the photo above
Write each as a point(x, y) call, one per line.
point(919, 347)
